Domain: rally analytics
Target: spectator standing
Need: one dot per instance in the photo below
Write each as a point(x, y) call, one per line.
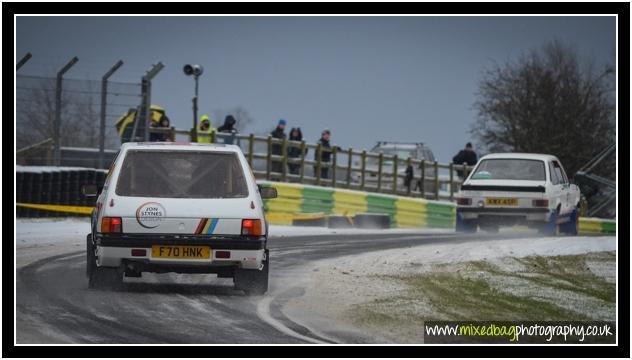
point(277, 149)
point(294, 151)
point(325, 154)
point(466, 156)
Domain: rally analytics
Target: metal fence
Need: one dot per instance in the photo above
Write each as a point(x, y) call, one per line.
point(80, 117)
point(349, 168)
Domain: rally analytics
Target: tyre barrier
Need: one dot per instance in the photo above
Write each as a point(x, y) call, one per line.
point(40, 190)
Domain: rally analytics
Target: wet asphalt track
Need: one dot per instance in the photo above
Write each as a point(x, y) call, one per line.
point(54, 304)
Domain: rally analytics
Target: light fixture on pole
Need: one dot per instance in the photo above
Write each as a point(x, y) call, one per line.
point(196, 71)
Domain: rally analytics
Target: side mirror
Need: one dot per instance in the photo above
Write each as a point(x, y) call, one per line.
point(268, 192)
point(89, 190)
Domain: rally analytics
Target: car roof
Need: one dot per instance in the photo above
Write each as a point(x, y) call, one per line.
point(528, 156)
point(179, 146)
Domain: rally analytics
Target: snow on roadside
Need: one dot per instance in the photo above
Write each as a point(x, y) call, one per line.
point(284, 231)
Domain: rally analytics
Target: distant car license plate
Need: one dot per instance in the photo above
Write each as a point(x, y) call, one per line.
point(501, 201)
point(180, 252)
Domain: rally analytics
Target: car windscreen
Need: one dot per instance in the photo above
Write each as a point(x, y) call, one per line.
point(181, 174)
point(510, 169)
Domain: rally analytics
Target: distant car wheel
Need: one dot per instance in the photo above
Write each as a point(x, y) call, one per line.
point(253, 282)
point(466, 226)
point(572, 226)
point(551, 228)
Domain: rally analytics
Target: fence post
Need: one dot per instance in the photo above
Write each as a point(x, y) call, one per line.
point(251, 147)
point(284, 160)
point(318, 163)
point(172, 134)
point(451, 182)
point(379, 172)
point(269, 158)
point(349, 163)
point(436, 179)
point(395, 160)
point(362, 169)
point(465, 171)
point(146, 85)
point(104, 96)
point(423, 178)
point(302, 173)
point(212, 137)
point(334, 153)
point(57, 124)
point(409, 164)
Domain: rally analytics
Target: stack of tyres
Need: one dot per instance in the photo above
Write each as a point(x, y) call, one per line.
point(64, 193)
point(73, 189)
point(36, 193)
point(55, 193)
point(19, 193)
point(46, 192)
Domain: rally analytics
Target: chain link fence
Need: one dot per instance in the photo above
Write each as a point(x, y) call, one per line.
point(80, 118)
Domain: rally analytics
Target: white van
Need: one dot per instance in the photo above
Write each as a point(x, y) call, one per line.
point(184, 208)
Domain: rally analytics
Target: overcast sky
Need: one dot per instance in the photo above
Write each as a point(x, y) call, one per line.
point(365, 78)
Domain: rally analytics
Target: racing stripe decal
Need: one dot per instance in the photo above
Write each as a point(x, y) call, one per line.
point(206, 225)
point(198, 229)
point(213, 225)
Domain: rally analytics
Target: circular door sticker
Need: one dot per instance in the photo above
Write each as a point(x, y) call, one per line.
point(150, 215)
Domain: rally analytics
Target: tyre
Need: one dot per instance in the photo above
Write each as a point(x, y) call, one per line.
point(106, 278)
point(572, 226)
point(253, 282)
point(466, 226)
point(550, 228)
point(91, 259)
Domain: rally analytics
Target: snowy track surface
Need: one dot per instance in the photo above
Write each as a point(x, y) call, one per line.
point(54, 304)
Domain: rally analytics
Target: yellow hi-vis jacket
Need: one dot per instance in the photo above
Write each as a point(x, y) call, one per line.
point(204, 136)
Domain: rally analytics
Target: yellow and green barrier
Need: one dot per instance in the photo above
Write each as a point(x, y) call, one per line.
point(595, 225)
point(296, 201)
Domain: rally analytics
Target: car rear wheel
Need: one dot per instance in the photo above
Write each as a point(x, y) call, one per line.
point(572, 226)
point(91, 260)
point(551, 228)
point(253, 282)
point(467, 226)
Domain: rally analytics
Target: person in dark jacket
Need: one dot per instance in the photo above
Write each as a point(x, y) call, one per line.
point(162, 124)
point(228, 127)
point(466, 156)
point(325, 154)
point(294, 151)
point(277, 149)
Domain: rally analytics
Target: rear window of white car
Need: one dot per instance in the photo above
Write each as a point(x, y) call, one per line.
point(510, 169)
point(181, 174)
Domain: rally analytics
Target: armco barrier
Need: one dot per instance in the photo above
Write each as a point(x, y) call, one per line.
point(296, 201)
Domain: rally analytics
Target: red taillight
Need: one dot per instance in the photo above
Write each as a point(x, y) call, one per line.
point(222, 254)
point(463, 201)
point(541, 203)
point(111, 225)
point(251, 227)
point(139, 252)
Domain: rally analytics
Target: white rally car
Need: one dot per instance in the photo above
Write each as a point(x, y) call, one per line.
point(518, 189)
point(185, 208)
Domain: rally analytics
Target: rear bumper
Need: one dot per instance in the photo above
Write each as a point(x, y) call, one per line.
point(244, 252)
point(512, 214)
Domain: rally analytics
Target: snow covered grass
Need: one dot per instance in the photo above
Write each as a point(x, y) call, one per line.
point(388, 294)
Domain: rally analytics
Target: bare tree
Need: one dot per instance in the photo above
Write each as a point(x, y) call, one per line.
point(546, 102)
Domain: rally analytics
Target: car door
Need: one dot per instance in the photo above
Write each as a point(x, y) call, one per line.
point(564, 186)
point(557, 196)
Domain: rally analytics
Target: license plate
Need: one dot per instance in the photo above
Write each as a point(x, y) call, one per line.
point(501, 201)
point(180, 252)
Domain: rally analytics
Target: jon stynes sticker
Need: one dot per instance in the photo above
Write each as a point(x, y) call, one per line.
point(150, 215)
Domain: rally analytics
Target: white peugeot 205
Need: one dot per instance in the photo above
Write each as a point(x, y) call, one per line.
point(184, 208)
point(518, 189)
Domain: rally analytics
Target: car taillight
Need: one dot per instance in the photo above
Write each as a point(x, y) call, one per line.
point(463, 201)
point(540, 203)
point(111, 225)
point(251, 227)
